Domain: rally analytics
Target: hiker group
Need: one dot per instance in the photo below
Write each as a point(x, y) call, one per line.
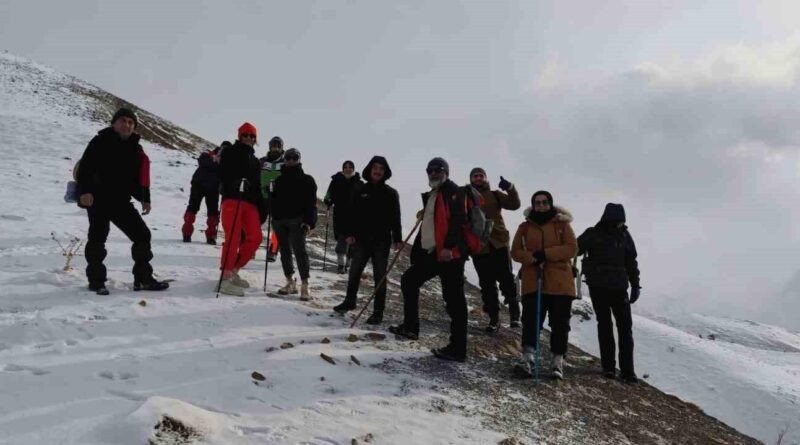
point(455, 224)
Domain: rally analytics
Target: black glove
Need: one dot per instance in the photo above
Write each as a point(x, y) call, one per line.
point(635, 291)
point(504, 185)
point(328, 202)
point(539, 257)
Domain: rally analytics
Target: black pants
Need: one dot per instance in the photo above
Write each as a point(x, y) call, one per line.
point(605, 302)
point(559, 308)
point(378, 252)
point(451, 275)
point(292, 240)
point(129, 221)
point(494, 268)
point(199, 193)
point(343, 250)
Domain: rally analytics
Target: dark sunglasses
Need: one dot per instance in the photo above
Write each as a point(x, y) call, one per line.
point(292, 158)
point(248, 135)
point(433, 170)
point(541, 203)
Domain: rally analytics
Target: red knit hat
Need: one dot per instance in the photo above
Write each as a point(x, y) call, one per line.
point(247, 128)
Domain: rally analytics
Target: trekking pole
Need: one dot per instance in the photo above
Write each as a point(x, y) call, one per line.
point(325, 250)
point(538, 323)
point(386, 275)
point(233, 231)
point(269, 237)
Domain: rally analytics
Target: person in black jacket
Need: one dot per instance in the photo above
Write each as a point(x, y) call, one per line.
point(294, 214)
point(439, 250)
point(205, 185)
point(243, 208)
point(113, 169)
point(339, 196)
point(371, 228)
point(610, 264)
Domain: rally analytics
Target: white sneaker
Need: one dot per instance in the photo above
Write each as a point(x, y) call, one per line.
point(289, 288)
point(228, 287)
point(239, 281)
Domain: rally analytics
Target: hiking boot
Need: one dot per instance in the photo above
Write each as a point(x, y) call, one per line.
point(211, 241)
point(239, 281)
point(340, 269)
point(494, 324)
point(449, 353)
point(375, 318)
point(513, 314)
point(344, 306)
point(99, 289)
point(150, 284)
point(630, 379)
point(401, 331)
point(187, 239)
point(558, 366)
point(304, 295)
point(271, 258)
point(610, 374)
point(228, 287)
point(514, 324)
point(289, 288)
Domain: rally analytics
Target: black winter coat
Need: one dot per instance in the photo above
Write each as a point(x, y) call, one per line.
point(238, 163)
point(458, 217)
point(374, 211)
point(294, 195)
point(207, 173)
point(111, 169)
point(340, 196)
point(611, 256)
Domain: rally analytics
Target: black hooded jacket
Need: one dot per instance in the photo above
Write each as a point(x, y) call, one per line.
point(374, 214)
point(294, 195)
point(238, 162)
point(340, 195)
point(111, 169)
point(207, 173)
point(611, 253)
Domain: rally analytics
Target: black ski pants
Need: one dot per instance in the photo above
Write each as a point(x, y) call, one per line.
point(558, 309)
point(494, 268)
point(378, 253)
point(605, 303)
point(130, 222)
point(292, 240)
point(451, 275)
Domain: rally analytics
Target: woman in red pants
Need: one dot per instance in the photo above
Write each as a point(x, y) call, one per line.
point(242, 208)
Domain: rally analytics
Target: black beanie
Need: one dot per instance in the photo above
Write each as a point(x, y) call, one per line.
point(477, 170)
point(545, 193)
point(350, 163)
point(439, 163)
point(276, 142)
point(292, 152)
point(125, 112)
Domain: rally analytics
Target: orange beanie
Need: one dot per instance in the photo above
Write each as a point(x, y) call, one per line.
point(247, 128)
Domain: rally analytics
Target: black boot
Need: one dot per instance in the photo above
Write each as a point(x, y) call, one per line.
point(401, 331)
point(340, 269)
point(449, 353)
point(513, 314)
point(494, 324)
point(375, 318)
point(187, 239)
point(150, 284)
point(99, 289)
point(211, 241)
point(345, 306)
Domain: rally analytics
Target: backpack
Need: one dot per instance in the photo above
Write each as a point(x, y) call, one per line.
point(478, 228)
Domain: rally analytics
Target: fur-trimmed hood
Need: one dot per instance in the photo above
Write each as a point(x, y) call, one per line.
point(562, 214)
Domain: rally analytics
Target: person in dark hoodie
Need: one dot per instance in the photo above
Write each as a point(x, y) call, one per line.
point(243, 208)
point(339, 196)
point(205, 185)
point(371, 227)
point(610, 265)
point(545, 244)
point(113, 169)
point(294, 214)
point(271, 165)
point(493, 262)
point(439, 250)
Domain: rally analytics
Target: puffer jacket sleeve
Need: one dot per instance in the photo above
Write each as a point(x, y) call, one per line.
point(518, 251)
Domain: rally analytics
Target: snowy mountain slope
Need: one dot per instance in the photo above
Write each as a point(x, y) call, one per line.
point(79, 368)
point(747, 376)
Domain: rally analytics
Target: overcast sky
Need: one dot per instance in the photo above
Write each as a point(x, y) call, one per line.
point(686, 111)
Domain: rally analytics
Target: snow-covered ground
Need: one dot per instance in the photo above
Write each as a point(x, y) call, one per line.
point(79, 368)
point(748, 375)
